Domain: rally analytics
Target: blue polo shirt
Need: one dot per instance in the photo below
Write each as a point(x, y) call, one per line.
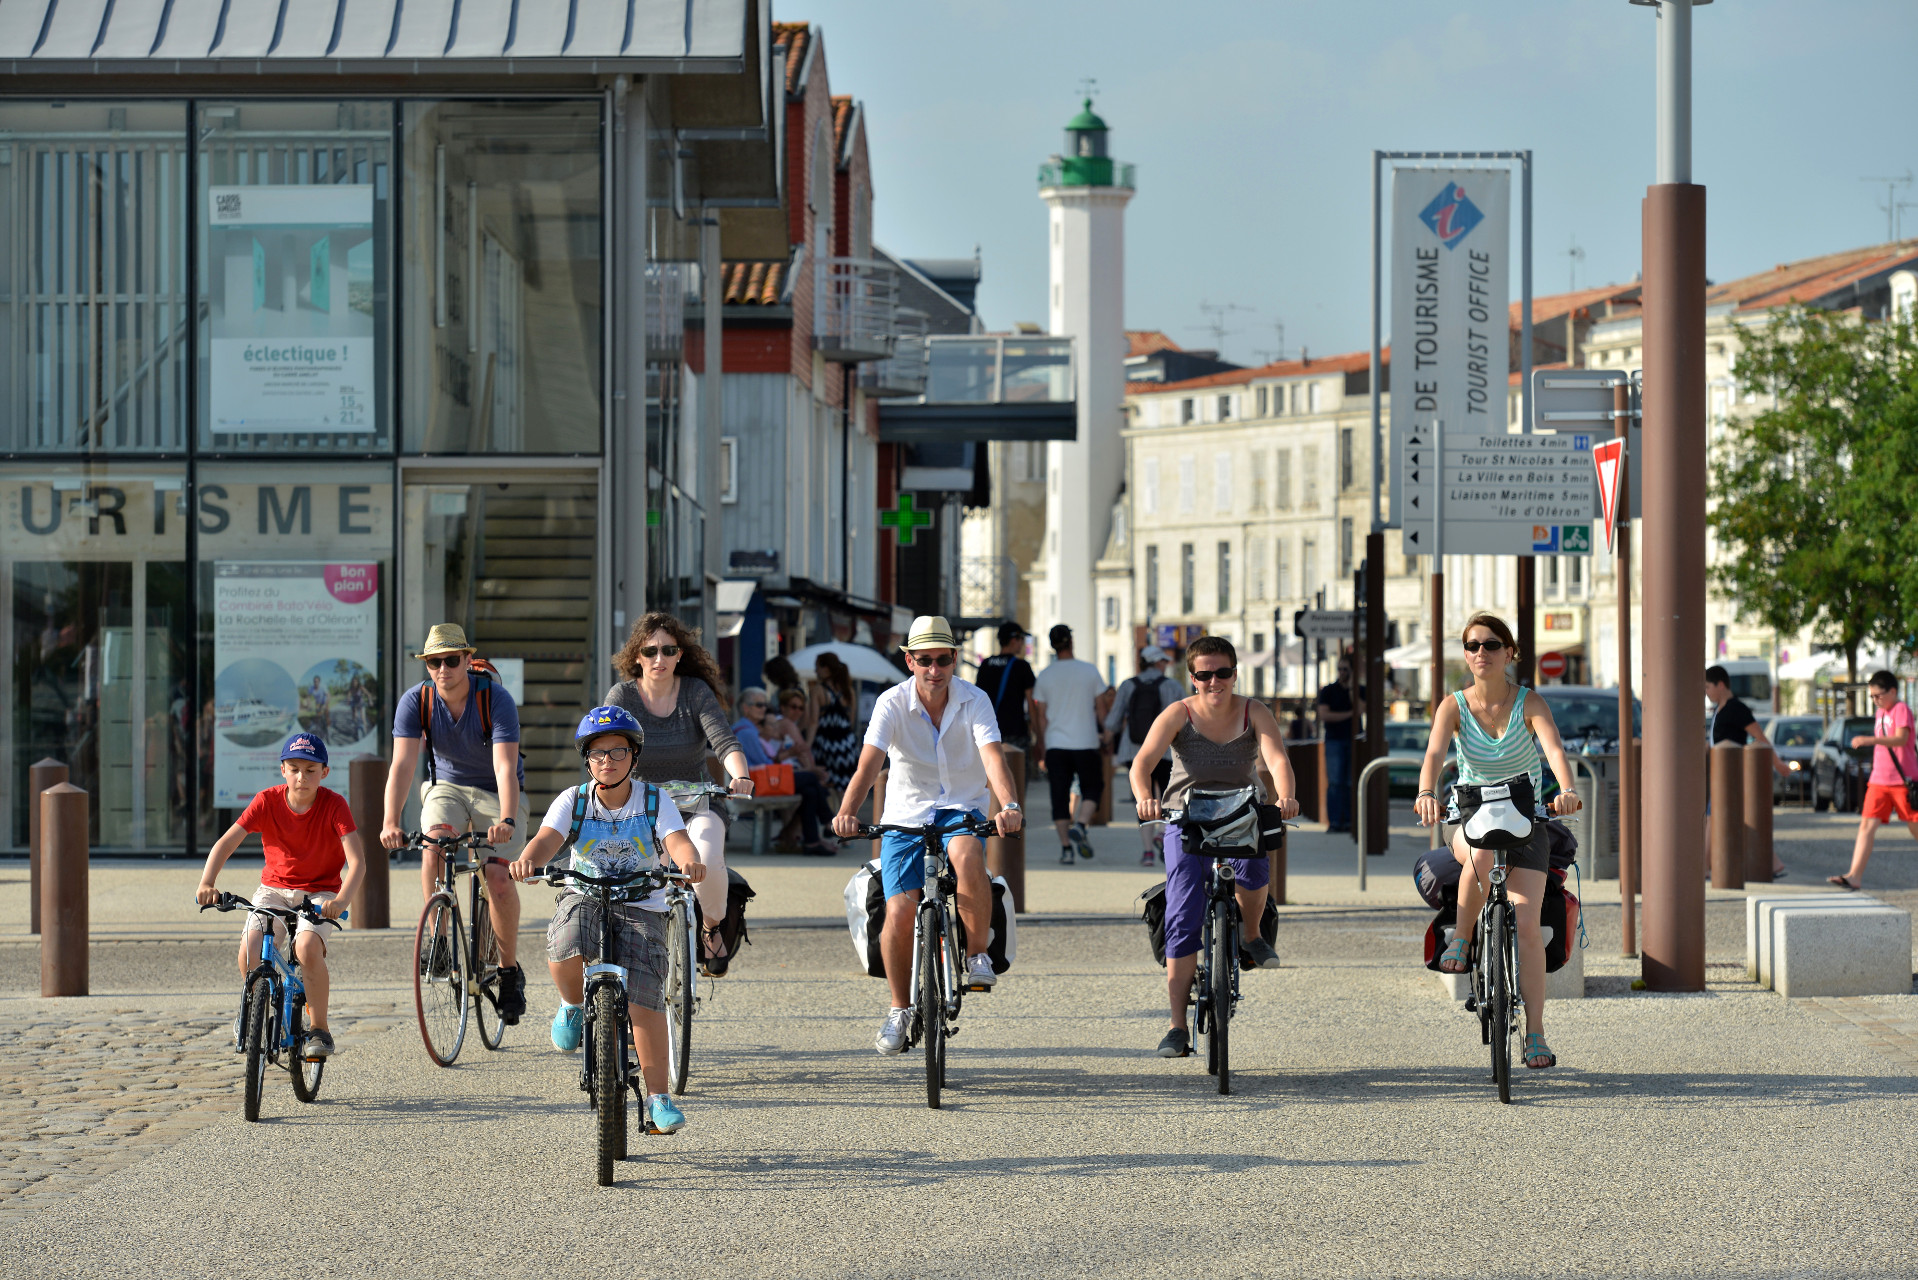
point(462, 752)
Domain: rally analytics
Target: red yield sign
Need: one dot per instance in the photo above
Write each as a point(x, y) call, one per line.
point(1551, 666)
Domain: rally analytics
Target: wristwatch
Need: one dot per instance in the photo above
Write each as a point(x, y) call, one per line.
point(1013, 807)
point(511, 822)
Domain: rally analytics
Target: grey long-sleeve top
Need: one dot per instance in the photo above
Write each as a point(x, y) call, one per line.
point(676, 744)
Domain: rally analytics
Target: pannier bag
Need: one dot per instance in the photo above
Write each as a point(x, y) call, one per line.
point(1557, 917)
point(1152, 911)
point(866, 917)
point(732, 930)
point(1496, 817)
point(772, 779)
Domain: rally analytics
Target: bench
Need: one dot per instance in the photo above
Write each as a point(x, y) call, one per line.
point(766, 813)
point(1831, 945)
point(1566, 984)
point(1761, 910)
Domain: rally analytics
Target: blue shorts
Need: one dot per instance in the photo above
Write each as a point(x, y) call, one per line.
point(902, 861)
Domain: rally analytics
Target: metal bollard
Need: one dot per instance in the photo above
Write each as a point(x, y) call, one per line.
point(41, 774)
point(1728, 816)
point(1006, 855)
point(1758, 796)
point(63, 891)
point(372, 906)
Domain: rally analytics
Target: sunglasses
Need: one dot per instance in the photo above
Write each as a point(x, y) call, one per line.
point(1217, 673)
point(748, 706)
point(931, 660)
point(660, 651)
point(434, 664)
point(617, 755)
point(1490, 646)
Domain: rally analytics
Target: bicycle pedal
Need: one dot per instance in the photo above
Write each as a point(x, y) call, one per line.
point(979, 987)
point(1471, 1004)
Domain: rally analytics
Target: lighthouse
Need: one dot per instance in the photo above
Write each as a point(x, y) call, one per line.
point(1085, 191)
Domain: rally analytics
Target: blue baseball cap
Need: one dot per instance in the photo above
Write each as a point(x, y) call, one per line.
point(304, 746)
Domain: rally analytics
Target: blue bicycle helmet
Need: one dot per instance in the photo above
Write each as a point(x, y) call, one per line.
point(603, 720)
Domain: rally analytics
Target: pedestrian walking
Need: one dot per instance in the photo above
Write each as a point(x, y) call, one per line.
point(1069, 699)
point(1733, 721)
point(1140, 700)
point(1336, 718)
point(1894, 775)
point(1006, 679)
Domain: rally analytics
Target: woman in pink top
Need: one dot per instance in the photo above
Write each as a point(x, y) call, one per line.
point(1892, 762)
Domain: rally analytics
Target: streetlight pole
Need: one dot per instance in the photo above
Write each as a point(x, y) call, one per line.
point(1673, 767)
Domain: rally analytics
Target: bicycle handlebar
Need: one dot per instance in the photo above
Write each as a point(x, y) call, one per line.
point(983, 827)
point(659, 876)
point(307, 909)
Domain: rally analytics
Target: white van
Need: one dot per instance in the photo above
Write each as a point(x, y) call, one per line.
point(1751, 680)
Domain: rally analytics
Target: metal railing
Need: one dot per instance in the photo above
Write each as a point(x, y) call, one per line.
point(999, 369)
point(903, 373)
point(856, 309)
point(1085, 171)
point(984, 583)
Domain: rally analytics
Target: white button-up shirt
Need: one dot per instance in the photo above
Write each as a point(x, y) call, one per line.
point(933, 768)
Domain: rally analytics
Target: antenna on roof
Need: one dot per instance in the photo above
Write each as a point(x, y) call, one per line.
point(1891, 204)
point(1218, 311)
point(1088, 88)
point(1577, 255)
point(1273, 357)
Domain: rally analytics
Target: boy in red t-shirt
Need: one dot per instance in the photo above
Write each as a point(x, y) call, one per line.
point(1893, 760)
point(309, 835)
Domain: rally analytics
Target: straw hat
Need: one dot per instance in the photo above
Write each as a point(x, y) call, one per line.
point(445, 637)
point(930, 631)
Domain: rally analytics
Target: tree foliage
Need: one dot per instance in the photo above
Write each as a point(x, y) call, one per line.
point(1815, 495)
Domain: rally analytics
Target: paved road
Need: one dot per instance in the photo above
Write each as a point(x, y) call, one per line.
point(1728, 1133)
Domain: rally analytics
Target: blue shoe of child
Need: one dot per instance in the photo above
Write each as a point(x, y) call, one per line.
point(568, 1025)
point(666, 1117)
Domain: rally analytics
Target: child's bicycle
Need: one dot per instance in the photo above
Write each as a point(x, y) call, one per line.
point(273, 1023)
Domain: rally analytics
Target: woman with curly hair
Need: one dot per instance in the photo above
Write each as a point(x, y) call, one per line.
point(671, 685)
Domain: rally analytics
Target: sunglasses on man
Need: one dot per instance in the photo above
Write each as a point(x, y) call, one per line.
point(450, 660)
point(930, 660)
point(1490, 646)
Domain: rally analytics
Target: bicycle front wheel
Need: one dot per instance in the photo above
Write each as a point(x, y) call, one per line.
point(1225, 954)
point(609, 1098)
point(306, 1075)
point(259, 996)
point(1498, 949)
point(439, 979)
point(932, 1008)
point(486, 976)
point(682, 991)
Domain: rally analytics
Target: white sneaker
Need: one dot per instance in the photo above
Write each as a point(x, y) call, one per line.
point(892, 1032)
point(979, 971)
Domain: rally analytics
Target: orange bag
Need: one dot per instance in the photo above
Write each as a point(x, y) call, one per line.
point(772, 779)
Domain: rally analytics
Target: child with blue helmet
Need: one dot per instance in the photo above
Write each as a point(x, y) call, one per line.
point(621, 828)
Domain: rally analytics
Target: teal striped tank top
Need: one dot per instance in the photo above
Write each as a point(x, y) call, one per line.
point(1485, 761)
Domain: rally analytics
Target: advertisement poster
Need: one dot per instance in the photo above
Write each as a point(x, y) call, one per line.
point(295, 645)
point(1451, 305)
point(291, 301)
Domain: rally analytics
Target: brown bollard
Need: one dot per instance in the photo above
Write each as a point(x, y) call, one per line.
point(1728, 816)
point(372, 906)
point(1308, 771)
point(1758, 847)
point(1006, 855)
point(41, 774)
point(1102, 812)
point(63, 891)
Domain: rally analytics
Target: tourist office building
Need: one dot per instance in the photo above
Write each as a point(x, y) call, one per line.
point(324, 321)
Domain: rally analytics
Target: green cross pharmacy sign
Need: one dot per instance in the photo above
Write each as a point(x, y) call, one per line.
point(905, 519)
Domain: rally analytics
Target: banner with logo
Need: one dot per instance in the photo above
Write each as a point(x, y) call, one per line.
point(290, 296)
point(295, 646)
point(1451, 307)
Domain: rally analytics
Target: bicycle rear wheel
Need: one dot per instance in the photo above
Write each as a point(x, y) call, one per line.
point(492, 1027)
point(259, 996)
point(682, 991)
point(1498, 949)
point(609, 1099)
point(306, 1075)
point(1225, 954)
point(932, 1010)
point(439, 978)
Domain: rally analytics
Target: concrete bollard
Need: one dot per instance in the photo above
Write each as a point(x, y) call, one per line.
point(63, 891)
point(1728, 816)
point(1006, 855)
point(372, 906)
point(41, 774)
point(1758, 839)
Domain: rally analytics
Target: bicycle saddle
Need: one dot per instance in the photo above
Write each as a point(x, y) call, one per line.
point(1496, 817)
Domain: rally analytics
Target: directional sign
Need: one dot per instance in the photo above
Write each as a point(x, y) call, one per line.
point(1580, 400)
point(1326, 624)
point(1501, 494)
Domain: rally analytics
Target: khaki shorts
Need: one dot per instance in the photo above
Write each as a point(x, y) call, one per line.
point(288, 899)
point(639, 943)
point(470, 809)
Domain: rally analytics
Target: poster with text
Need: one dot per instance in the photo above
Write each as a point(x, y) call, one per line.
point(295, 646)
point(291, 309)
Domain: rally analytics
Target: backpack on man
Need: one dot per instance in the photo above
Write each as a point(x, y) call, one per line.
point(483, 675)
point(1141, 711)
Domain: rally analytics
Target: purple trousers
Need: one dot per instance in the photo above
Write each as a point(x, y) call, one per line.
point(1185, 876)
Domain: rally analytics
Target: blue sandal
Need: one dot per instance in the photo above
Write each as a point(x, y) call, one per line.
point(1455, 953)
point(1535, 1047)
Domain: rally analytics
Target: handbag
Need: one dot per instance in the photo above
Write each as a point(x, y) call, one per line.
point(772, 779)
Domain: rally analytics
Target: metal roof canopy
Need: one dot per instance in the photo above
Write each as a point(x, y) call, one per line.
point(380, 37)
point(949, 423)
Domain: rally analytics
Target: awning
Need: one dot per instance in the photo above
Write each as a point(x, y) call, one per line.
point(395, 37)
point(1811, 666)
point(1407, 656)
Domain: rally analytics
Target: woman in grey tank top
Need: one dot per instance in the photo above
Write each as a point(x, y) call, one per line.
point(1217, 740)
point(1496, 744)
point(671, 689)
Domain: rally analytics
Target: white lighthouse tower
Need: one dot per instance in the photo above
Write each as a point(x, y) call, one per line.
point(1085, 192)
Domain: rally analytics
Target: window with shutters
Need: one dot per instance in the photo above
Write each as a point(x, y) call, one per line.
point(1151, 582)
point(1309, 484)
point(1225, 577)
point(1188, 485)
point(1284, 568)
point(1258, 479)
point(1282, 480)
point(1347, 464)
point(1347, 561)
point(1222, 483)
point(1188, 588)
point(1149, 486)
point(1225, 408)
point(1255, 569)
point(1309, 568)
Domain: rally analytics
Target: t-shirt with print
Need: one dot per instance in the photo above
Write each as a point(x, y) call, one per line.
point(615, 841)
point(462, 752)
point(1068, 688)
point(303, 851)
point(1887, 723)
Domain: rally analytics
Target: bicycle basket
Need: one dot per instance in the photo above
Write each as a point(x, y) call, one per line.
point(1496, 817)
point(1225, 823)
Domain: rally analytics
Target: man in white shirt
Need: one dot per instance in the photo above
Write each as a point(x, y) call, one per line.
point(942, 736)
point(1068, 702)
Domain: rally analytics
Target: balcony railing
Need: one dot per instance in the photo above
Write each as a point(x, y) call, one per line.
point(1085, 171)
point(1000, 369)
point(856, 310)
point(903, 373)
point(986, 586)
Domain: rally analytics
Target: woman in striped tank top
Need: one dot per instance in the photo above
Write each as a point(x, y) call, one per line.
point(1500, 727)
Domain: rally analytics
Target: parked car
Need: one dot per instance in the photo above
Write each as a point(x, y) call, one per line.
point(1587, 718)
point(1405, 743)
point(1838, 769)
point(1793, 738)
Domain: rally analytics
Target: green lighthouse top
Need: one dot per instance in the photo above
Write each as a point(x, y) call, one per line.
point(1085, 162)
point(1085, 120)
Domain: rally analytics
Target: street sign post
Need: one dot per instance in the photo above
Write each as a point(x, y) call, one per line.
point(1551, 665)
point(1507, 495)
point(1326, 624)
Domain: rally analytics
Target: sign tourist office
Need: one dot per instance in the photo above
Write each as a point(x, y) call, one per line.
point(1499, 494)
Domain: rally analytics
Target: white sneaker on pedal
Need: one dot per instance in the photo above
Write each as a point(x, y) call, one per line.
point(979, 972)
point(892, 1032)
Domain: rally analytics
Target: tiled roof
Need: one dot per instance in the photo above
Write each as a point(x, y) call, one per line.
point(1350, 362)
point(796, 36)
point(1143, 342)
point(842, 113)
point(1811, 279)
point(752, 284)
point(1554, 305)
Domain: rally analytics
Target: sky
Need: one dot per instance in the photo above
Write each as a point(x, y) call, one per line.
point(1252, 124)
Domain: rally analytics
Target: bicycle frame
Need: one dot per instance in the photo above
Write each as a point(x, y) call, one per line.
point(1222, 885)
point(935, 916)
point(282, 974)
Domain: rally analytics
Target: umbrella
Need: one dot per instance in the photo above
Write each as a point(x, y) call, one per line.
point(1810, 667)
point(1409, 655)
point(864, 661)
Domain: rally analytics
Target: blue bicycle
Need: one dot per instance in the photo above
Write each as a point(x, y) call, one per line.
point(273, 1021)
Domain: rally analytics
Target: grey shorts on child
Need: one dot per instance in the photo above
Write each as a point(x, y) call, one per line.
point(639, 943)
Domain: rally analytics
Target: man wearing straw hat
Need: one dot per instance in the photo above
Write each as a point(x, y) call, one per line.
point(474, 781)
point(942, 736)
